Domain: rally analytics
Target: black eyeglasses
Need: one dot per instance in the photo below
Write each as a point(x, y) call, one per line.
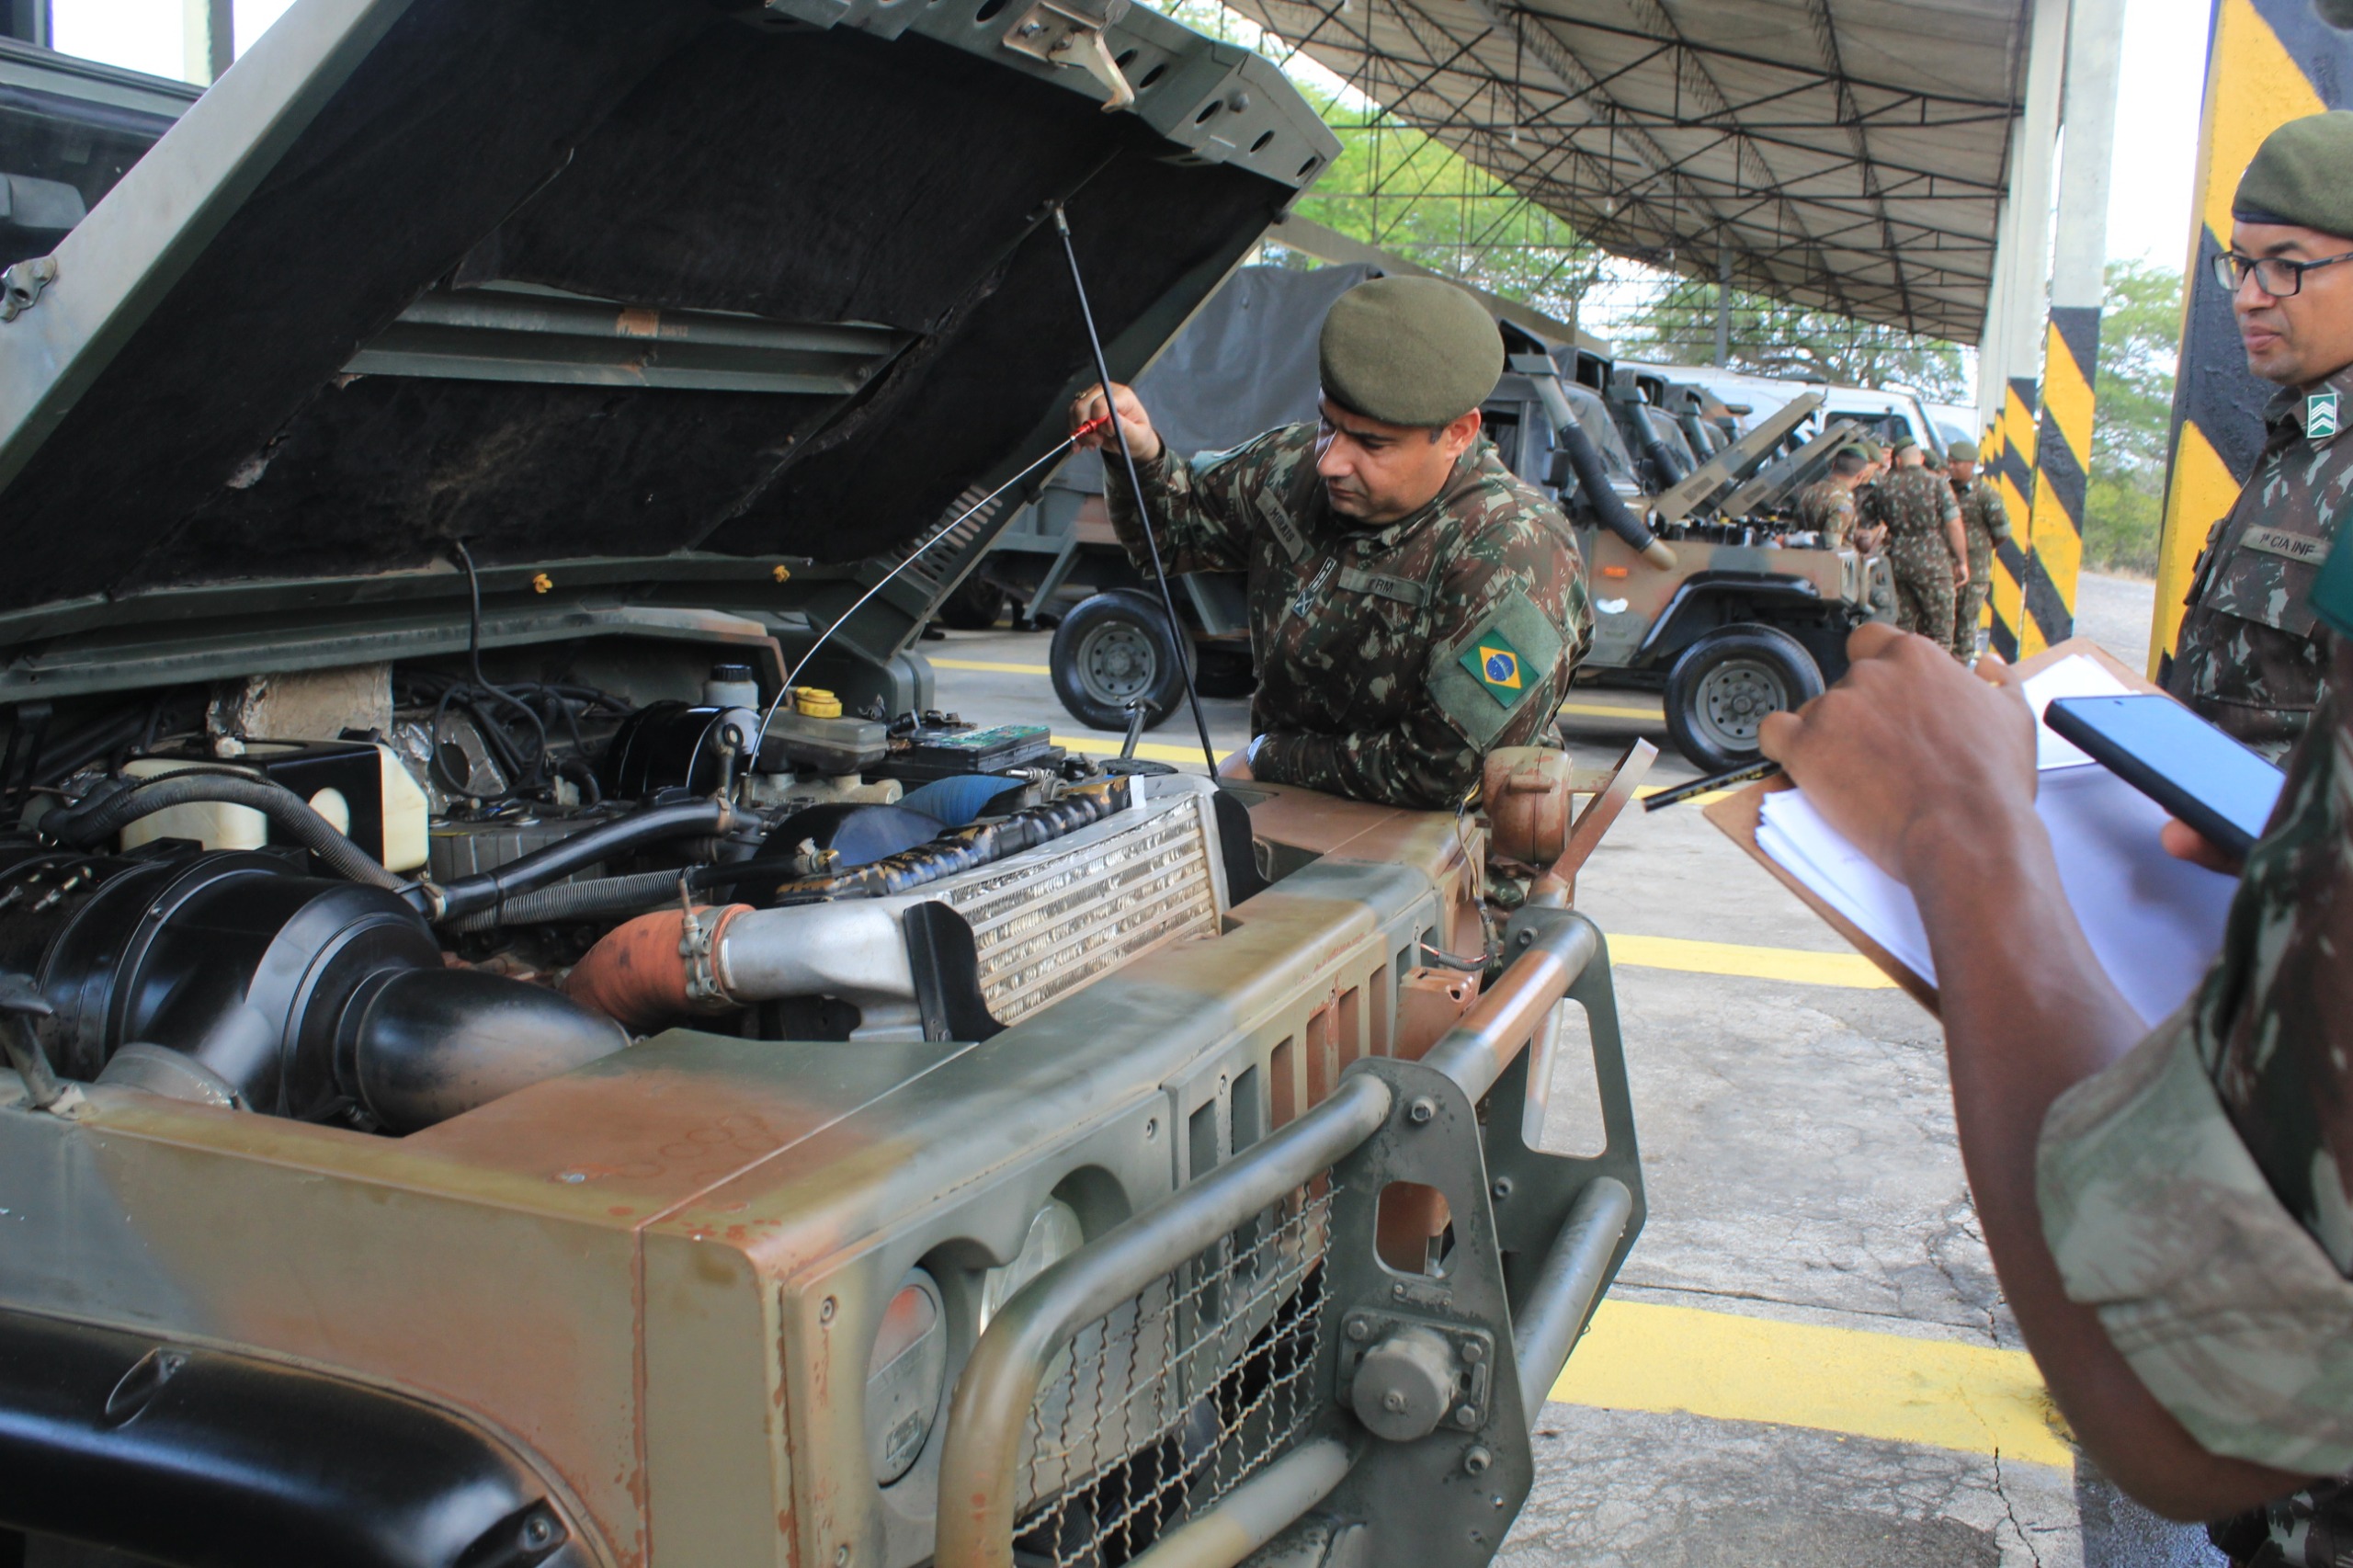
point(2275, 275)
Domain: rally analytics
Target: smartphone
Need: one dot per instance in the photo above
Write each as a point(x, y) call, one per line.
point(2179, 760)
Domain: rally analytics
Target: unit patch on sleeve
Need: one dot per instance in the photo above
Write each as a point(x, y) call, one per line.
point(1496, 665)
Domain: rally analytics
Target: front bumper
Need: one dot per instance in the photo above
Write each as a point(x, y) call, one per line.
point(1195, 1382)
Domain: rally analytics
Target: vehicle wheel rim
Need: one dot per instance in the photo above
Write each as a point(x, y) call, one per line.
point(1734, 698)
point(1115, 664)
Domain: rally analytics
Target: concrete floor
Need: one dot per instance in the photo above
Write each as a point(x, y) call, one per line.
point(1811, 1238)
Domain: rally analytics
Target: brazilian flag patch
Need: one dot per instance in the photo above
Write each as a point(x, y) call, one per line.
point(1497, 666)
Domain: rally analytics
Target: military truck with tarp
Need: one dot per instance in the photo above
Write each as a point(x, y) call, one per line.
point(528, 1042)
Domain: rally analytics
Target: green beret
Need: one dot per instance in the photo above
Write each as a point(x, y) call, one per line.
point(1409, 351)
point(1902, 444)
point(2298, 176)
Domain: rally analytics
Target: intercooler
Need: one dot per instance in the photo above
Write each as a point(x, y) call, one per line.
point(1045, 922)
point(1048, 921)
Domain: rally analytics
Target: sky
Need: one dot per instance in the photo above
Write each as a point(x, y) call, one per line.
point(2156, 140)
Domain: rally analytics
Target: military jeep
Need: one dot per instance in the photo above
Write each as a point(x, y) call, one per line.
point(1702, 588)
point(528, 1040)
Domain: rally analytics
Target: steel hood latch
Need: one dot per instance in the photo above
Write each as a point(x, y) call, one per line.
point(1064, 32)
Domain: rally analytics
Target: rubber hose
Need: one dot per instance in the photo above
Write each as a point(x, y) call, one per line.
point(98, 818)
point(571, 901)
point(1654, 452)
point(654, 825)
point(1593, 483)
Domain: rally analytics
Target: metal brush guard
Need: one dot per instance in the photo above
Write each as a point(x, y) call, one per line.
point(1164, 1404)
point(1168, 1395)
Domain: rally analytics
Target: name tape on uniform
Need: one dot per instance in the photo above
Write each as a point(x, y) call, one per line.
point(2279, 542)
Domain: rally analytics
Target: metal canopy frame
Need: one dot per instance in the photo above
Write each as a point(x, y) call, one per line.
point(1849, 155)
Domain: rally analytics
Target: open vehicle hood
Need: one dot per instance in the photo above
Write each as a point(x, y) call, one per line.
point(637, 293)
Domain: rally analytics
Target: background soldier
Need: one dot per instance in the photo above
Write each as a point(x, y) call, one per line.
point(1827, 505)
point(2248, 658)
point(1924, 543)
point(1413, 603)
point(1983, 520)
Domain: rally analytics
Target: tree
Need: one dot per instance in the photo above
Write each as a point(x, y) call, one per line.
point(2140, 337)
point(1773, 337)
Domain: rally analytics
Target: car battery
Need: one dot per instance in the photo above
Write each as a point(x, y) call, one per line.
point(932, 754)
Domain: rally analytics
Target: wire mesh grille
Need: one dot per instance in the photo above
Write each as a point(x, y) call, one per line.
point(1164, 1404)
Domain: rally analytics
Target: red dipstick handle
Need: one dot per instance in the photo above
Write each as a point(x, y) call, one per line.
point(1099, 421)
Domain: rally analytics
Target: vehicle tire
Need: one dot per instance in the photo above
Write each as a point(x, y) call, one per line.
point(975, 605)
point(1724, 685)
point(1110, 650)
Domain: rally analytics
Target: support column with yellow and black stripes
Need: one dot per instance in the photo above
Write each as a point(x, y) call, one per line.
point(2012, 472)
point(2268, 62)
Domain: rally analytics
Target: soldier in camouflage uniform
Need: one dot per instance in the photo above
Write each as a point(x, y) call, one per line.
point(2196, 1194)
point(1983, 520)
point(1413, 604)
point(2168, 1209)
point(1924, 542)
point(1827, 505)
point(2248, 658)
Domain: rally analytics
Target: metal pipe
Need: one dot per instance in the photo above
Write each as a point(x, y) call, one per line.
point(1563, 1293)
point(978, 1481)
point(1254, 1512)
point(1476, 1050)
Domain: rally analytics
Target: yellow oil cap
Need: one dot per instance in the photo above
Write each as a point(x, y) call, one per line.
point(815, 702)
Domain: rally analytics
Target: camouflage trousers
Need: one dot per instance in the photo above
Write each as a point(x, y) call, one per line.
point(1969, 604)
point(1923, 586)
point(1967, 609)
point(2314, 1529)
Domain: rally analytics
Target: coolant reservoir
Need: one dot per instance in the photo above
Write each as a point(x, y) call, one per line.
point(210, 822)
point(400, 806)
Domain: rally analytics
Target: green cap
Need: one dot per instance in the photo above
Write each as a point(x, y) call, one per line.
point(1902, 444)
point(2298, 176)
point(1409, 351)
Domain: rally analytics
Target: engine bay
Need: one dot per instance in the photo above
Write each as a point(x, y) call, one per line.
point(379, 897)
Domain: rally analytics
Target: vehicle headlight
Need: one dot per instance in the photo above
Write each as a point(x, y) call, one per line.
point(904, 1376)
point(1054, 1234)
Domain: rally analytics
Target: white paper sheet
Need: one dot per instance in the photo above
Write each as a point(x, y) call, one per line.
point(2074, 675)
point(2153, 922)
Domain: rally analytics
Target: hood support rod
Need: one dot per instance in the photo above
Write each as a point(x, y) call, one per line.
point(1135, 486)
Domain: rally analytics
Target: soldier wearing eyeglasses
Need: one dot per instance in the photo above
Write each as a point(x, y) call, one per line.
point(2249, 658)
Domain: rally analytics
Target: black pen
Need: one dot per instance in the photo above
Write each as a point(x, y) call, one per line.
point(1747, 774)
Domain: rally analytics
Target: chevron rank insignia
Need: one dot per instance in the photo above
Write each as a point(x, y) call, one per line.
point(1496, 665)
point(2320, 416)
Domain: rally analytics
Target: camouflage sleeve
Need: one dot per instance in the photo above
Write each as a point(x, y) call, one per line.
point(1509, 623)
point(2195, 1195)
point(1204, 507)
point(1997, 515)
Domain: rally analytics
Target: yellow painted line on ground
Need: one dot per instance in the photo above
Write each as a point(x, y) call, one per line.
point(1703, 798)
point(1603, 710)
point(1937, 1393)
point(1108, 745)
point(990, 664)
point(1796, 964)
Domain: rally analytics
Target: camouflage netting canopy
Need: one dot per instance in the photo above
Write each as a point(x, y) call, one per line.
point(1846, 155)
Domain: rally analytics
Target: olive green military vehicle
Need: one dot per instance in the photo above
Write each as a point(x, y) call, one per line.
point(528, 1040)
point(1702, 587)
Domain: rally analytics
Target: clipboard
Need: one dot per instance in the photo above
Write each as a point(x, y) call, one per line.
point(1738, 815)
